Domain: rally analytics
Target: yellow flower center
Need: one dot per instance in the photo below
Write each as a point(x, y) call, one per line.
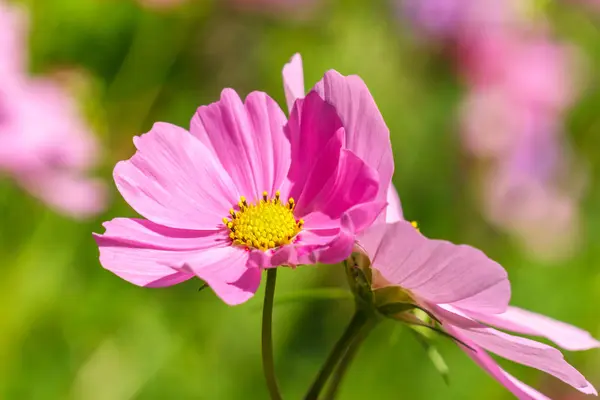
point(265, 224)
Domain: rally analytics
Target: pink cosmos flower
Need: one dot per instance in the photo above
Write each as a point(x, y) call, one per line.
point(44, 144)
point(363, 123)
point(469, 293)
point(244, 190)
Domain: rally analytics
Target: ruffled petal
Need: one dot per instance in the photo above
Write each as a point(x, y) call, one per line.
point(366, 132)
point(226, 271)
point(293, 80)
point(314, 134)
point(147, 254)
point(393, 212)
point(352, 184)
point(520, 350)
point(435, 270)
point(248, 140)
point(526, 322)
point(174, 180)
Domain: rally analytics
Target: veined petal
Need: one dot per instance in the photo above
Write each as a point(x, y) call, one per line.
point(314, 134)
point(352, 183)
point(366, 132)
point(174, 180)
point(526, 322)
point(147, 254)
point(487, 363)
point(520, 350)
point(226, 271)
point(393, 212)
point(293, 80)
point(435, 270)
point(248, 140)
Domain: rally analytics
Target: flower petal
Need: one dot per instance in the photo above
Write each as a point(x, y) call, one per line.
point(366, 132)
point(314, 134)
point(393, 212)
point(174, 180)
point(480, 356)
point(147, 254)
point(248, 140)
point(520, 350)
point(437, 271)
point(226, 271)
point(526, 322)
point(293, 80)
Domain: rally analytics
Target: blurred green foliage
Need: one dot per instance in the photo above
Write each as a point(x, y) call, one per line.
point(71, 330)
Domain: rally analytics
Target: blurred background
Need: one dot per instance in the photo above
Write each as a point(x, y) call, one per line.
point(493, 111)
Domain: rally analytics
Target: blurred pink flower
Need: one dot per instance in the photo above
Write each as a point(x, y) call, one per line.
point(447, 19)
point(307, 195)
point(469, 293)
point(44, 144)
point(520, 84)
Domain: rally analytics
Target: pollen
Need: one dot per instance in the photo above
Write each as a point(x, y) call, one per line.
point(264, 224)
point(415, 225)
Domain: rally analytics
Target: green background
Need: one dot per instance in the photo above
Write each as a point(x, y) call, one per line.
point(71, 330)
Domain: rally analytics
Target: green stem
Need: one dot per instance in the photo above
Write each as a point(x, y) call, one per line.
point(267, 337)
point(344, 364)
point(359, 319)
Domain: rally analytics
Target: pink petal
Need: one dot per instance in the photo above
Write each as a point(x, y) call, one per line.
point(174, 180)
point(353, 183)
point(393, 212)
point(293, 80)
point(521, 350)
point(226, 271)
point(366, 132)
point(516, 387)
point(437, 271)
point(529, 323)
point(147, 254)
point(314, 134)
point(248, 140)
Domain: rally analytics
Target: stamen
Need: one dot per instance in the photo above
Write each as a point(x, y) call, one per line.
point(264, 224)
point(415, 225)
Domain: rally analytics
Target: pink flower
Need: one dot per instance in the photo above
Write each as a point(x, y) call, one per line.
point(468, 293)
point(243, 190)
point(44, 144)
point(367, 135)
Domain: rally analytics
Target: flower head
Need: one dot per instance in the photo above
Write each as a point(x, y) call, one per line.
point(468, 294)
point(244, 189)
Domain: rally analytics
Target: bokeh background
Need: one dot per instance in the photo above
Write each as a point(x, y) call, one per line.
point(71, 330)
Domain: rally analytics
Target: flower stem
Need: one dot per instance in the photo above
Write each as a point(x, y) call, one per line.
point(359, 319)
point(345, 362)
point(267, 337)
